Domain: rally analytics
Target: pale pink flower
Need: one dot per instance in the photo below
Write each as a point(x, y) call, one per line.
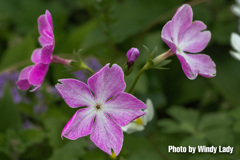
point(182, 35)
point(108, 108)
point(34, 75)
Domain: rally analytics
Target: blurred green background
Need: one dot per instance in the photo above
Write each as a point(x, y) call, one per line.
point(198, 112)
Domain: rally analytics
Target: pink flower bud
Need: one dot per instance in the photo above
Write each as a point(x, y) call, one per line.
point(132, 55)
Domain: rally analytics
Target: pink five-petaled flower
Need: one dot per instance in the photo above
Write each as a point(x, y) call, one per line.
point(182, 35)
point(107, 109)
point(35, 74)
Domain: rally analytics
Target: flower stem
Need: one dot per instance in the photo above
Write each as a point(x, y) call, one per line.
point(68, 62)
point(162, 57)
point(155, 146)
point(145, 67)
point(57, 59)
point(90, 70)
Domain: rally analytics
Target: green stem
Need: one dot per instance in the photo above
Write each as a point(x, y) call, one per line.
point(145, 67)
point(90, 70)
point(162, 57)
point(155, 146)
point(83, 66)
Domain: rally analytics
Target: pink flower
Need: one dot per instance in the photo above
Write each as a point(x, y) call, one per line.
point(35, 74)
point(182, 35)
point(108, 108)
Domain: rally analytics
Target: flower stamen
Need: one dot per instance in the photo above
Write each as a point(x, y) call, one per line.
point(139, 121)
point(98, 106)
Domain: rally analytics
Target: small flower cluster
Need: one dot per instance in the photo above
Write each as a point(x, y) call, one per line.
point(106, 108)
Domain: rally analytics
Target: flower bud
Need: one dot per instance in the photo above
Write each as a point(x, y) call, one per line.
point(132, 55)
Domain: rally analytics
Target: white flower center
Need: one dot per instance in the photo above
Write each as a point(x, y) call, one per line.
point(179, 49)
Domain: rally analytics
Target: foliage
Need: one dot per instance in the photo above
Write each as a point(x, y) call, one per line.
point(200, 112)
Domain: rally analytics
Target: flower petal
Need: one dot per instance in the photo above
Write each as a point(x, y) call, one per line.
point(181, 21)
point(149, 112)
point(80, 124)
point(22, 82)
point(124, 108)
point(36, 55)
point(194, 64)
point(106, 134)
point(107, 82)
point(236, 10)
point(46, 55)
point(132, 127)
point(235, 55)
point(35, 88)
point(38, 73)
point(192, 39)
point(167, 36)
point(45, 29)
point(235, 41)
point(75, 93)
point(49, 18)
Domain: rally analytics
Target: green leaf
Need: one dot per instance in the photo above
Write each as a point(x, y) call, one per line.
point(9, 116)
point(214, 128)
point(32, 136)
point(96, 154)
point(220, 31)
point(236, 127)
point(220, 136)
point(54, 130)
point(5, 156)
point(73, 150)
point(21, 51)
point(227, 84)
point(193, 141)
point(170, 126)
point(134, 20)
point(138, 147)
point(214, 120)
point(188, 118)
point(77, 37)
